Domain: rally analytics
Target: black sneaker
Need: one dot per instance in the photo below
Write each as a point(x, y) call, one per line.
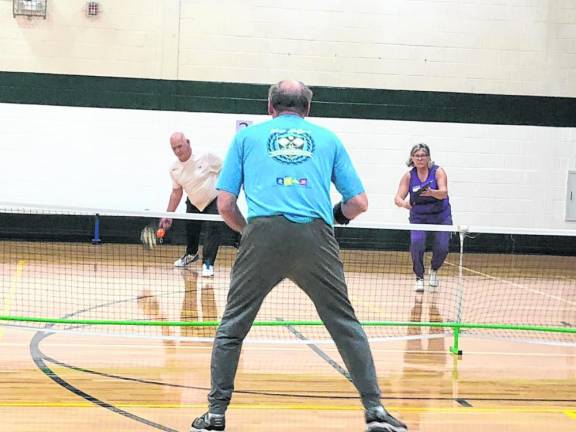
point(380, 420)
point(208, 422)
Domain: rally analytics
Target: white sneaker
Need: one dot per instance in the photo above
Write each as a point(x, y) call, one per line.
point(419, 286)
point(433, 279)
point(207, 270)
point(185, 260)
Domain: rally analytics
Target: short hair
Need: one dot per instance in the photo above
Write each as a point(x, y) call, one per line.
point(290, 98)
point(415, 148)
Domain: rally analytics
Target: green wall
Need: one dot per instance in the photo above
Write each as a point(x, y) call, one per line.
point(238, 98)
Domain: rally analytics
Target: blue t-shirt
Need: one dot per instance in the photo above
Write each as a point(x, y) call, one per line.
point(286, 165)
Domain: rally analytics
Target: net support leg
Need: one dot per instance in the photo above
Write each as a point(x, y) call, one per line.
point(455, 348)
point(96, 239)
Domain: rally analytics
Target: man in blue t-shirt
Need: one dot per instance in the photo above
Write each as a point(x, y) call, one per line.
point(286, 166)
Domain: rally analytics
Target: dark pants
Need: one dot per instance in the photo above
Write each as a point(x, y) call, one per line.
point(214, 231)
point(439, 245)
point(271, 250)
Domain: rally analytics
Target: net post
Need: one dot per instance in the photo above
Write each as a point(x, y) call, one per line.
point(455, 376)
point(462, 230)
point(96, 239)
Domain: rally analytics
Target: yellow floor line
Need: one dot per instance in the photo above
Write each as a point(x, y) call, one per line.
point(14, 283)
point(305, 407)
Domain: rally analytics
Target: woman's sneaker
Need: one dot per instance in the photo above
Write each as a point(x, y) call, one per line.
point(433, 279)
point(208, 422)
point(419, 288)
point(380, 420)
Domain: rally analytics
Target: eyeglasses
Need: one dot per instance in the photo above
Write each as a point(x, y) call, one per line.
point(420, 156)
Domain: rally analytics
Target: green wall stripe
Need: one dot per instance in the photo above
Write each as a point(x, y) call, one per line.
point(239, 98)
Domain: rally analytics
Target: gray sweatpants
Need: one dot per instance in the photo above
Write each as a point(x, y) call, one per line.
point(271, 250)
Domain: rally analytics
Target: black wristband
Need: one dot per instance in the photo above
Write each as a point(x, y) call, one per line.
point(339, 216)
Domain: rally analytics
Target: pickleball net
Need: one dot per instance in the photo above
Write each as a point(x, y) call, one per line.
point(85, 271)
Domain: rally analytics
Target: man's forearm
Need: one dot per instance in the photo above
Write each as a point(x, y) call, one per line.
point(355, 206)
point(228, 209)
point(234, 218)
point(174, 201)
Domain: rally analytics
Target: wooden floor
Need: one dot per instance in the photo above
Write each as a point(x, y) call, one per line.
point(66, 381)
point(63, 382)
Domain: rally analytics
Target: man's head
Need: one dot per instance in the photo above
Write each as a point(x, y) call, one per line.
point(289, 97)
point(180, 146)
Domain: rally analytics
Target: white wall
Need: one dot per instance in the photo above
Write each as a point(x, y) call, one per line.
point(118, 159)
point(499, 175)
point(525, 47)
point(132, 38)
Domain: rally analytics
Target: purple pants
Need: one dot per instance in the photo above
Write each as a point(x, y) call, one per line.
point(439, 245)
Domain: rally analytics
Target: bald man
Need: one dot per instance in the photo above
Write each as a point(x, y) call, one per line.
point(286, 166)
point(195, 174)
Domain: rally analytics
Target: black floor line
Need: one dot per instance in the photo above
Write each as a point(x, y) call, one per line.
point(462, 401)
point(164, 384)
point(341, 370)
point(38, 359)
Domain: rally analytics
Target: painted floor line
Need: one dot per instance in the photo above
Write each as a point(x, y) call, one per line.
point(307, 407)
